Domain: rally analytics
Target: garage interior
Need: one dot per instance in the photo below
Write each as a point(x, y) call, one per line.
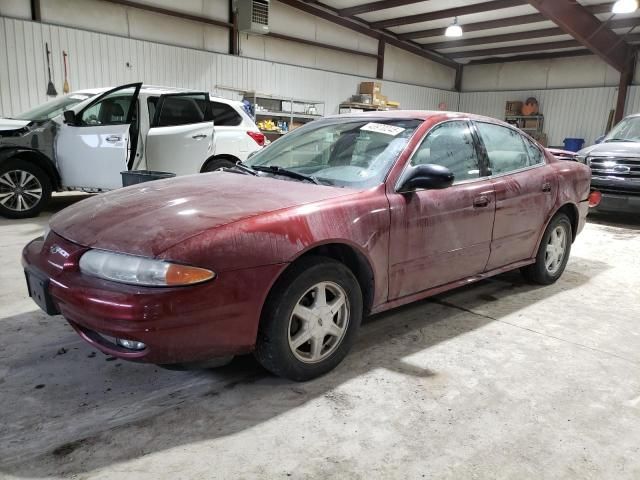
point(498, 379)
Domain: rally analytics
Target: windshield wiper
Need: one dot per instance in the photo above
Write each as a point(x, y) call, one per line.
point(275, 169)
point(617, 140)
point(243, 168)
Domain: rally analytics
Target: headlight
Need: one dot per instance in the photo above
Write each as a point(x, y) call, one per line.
point(134, 270)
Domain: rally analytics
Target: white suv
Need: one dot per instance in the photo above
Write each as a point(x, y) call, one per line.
point(83, 140)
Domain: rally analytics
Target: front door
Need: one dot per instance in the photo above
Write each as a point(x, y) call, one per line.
point(526, 190)
point(181, 138)
point(93, 150)
point(440, 236)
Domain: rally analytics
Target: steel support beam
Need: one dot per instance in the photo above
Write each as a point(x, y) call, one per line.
point(363, 27)
point(319, 44)
point(374, 7)
point(172, 13)
point(582, 25)
point(234, 36)
point(457, 85)
point(36, 15)
point(380, 65)
point(626, 77)
point(499, 23)
point(448, 13)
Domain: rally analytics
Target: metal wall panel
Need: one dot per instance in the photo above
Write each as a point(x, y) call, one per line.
point(98, 60)
point(575, 112)
point(633, 100)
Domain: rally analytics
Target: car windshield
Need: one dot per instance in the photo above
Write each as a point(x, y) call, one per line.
point(346, 152)
point(53, 108)
point(628, 130)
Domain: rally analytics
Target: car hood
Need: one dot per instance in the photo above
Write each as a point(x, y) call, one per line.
point(149, 218)
point(612, 149)
point(7, 124)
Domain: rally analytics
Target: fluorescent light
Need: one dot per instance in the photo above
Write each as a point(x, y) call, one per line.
point(454, 30)
point(625, 6)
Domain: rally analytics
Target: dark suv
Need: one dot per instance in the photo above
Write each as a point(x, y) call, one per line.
point(615, 166)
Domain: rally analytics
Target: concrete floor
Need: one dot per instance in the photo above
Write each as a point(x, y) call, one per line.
point(497, 380)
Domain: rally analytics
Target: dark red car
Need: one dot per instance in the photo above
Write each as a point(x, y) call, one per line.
point(283, 255)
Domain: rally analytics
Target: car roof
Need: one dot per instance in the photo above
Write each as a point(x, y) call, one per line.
point(419, 115)
point(156, 90)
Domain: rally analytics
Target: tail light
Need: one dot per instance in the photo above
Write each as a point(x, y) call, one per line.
point(257, 136)
point(594, 198)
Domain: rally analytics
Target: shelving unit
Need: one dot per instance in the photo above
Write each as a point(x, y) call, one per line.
point(292, 112)
point(367, 107)
point(521, 121)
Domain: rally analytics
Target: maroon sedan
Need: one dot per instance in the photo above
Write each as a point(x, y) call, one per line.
point(284, 254)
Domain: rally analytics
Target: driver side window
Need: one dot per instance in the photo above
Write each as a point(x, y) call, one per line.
point(450, 145)
point(111, 110)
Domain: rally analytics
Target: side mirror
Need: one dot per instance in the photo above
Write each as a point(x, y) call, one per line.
point(69, 117)
point(600, 138)
point(427, 177)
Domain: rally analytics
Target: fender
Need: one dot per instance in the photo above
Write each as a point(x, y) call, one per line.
point(34, 156)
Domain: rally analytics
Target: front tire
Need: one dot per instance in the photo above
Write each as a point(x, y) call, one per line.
point(310, 319)
point(553, 252)
point(25, 189)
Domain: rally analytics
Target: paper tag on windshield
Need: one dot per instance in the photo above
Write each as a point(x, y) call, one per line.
point(382, 128)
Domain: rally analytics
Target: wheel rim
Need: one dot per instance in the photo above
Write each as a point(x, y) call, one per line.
point(556, 248)
point(319, 322)
point(19, 190)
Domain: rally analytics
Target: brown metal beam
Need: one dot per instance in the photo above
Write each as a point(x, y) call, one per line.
point(457, 84)
point(511, 37)
point(380, 65)
point(626, 78)
point(582, 25)
point(448, 13)
point(499, 23)
point(532, 56)
point(532, 47)
point(234, 44)
point(172, 13)
point(365, 28)
point(36, 14)
point(319, 44)
point(374, 7)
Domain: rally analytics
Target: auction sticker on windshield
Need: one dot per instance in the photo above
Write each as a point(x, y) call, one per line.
point(382, 128)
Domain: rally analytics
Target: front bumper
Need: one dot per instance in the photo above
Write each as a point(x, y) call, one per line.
point(619, 194)
point(179, 324)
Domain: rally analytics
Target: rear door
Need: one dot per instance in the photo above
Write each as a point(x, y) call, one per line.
point(93, 151)
point(181, 136)
point(525, 188)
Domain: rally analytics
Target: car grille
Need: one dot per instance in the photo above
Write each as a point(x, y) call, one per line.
point(615, 167)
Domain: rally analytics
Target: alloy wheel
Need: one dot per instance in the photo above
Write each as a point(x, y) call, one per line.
point(319, 322)
point(556, 248)
point(19, 190)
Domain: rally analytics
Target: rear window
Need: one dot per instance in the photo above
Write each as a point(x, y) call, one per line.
point(225, 115)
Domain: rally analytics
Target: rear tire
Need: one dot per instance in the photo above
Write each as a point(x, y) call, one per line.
point(25, 189)
point(553, 252)
point(217, 163)
point(310, 319)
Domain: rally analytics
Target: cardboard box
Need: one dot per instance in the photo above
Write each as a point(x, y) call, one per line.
point(362, 98)
point(531, 123)
point(513, 107)
point(370, 87)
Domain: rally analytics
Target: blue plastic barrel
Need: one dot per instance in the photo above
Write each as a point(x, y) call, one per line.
point(573, 144)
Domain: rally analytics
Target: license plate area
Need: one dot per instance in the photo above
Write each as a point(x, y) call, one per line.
point(38, 286)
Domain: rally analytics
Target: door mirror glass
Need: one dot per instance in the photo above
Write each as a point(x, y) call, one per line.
point(427, 177)
point(69, 117)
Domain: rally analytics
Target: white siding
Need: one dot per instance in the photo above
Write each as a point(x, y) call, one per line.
point(98, 59)
point(575, 112)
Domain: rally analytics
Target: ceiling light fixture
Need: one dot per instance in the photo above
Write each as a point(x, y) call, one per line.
point(454, 30)
point(625, 6)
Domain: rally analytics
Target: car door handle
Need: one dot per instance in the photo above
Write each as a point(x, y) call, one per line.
point(546, 187)
point(113, 139)
point(199, 136)
point(481, 201)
